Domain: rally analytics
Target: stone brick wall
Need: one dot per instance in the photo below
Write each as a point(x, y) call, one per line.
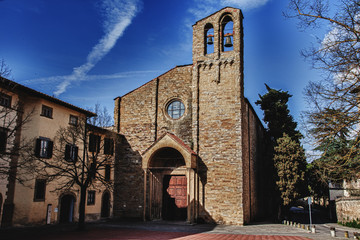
point(254, 175)
point(218, 147)
point(175, 84)
point(136, 123)
point(142, 119)
point(348, 209)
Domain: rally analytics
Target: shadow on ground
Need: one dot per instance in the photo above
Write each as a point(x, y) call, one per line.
point(161, 230)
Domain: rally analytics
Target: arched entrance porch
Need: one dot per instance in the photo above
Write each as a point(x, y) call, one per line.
point(169, 180)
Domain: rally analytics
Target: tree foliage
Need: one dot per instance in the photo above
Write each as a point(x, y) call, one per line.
point(277, 115)
point(333, 114)
point(340, 158)
point(317, 180)
point(287, 153)
point(290, 163)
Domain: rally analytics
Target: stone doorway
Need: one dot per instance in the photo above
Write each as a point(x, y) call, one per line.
point(174, 198)
point(168, 185)
point(67, 208)
point(169, 180)
point(105, 205)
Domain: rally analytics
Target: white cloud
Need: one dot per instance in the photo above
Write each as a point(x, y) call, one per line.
point(64, 81)
point(118, 15)
point(340, 37)
point(204, 8)
point(245, 4)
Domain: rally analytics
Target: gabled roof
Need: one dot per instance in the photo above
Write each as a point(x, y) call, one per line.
point(178, 66)
point(169, 140)
point(176, 139)
point(16, 87)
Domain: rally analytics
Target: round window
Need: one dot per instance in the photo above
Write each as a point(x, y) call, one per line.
point(176, 109)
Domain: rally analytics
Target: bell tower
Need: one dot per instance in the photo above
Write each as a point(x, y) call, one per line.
point(217, 103)
point(218, 34)
point(218, 47)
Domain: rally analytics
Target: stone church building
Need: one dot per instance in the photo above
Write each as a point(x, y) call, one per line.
point(193, 147)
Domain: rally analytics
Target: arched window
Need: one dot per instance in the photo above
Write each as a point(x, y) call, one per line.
point(227, 31)
point(209, 39)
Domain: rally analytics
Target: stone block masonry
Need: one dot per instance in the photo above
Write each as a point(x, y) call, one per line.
point(348, 209)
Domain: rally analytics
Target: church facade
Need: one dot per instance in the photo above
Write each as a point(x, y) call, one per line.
point(193, 147)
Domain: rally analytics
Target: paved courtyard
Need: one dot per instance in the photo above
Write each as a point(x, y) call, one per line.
point(171, 231)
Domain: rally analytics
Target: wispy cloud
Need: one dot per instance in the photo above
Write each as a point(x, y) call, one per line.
point(245, 4)
point(203, 8)
point(118, 15)
point(60, 79)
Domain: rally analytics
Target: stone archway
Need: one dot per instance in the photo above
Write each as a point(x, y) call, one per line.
point(168, 185)
point(169, 180)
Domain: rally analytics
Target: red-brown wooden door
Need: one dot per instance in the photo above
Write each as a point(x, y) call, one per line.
point(177, 189)
point(175, 198)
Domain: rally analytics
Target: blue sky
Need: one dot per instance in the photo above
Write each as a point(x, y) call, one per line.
point(91, 51)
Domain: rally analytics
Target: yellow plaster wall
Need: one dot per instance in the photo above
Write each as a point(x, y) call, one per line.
point(27, 211)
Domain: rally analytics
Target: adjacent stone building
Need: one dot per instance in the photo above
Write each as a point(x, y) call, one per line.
point(193, 147)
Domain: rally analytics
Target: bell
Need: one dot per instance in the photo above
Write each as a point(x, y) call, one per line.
point(210, 40)
point(228, 42)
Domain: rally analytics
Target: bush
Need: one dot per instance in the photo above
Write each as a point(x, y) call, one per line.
point(354, 224)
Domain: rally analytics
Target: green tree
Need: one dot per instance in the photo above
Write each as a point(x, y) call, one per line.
point(290, 164)
point(277, 115)
point(339, 153)
point(285, 150)
point(317, 180)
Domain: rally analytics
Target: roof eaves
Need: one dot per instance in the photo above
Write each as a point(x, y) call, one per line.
point(6, 83)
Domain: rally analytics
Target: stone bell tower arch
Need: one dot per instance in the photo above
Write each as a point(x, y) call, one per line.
point(217, 107)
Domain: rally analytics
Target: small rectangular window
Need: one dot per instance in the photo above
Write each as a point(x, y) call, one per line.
point(46, 111)
point(73, 120)
point(91, 198)
point(3, 139)
point(107, 172)
point(94, 143)
point(39, 191)
point(108, 146)
point(5, 100)
point(43, 148)
point(71, 153)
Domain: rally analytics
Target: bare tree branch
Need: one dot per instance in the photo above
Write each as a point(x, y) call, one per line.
point(333, 115)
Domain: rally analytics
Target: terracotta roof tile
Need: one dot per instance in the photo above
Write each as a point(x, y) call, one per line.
point(176, 139)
